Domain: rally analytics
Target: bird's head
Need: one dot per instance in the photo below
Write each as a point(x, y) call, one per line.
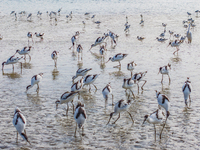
point(145, 118)
point(3, 64)
point(109, 59)
point(17, 51)
point(28, 87)
point(169, 65)
point(24, 136)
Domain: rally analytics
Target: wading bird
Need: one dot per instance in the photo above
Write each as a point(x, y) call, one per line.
point(35, 80)
point(187, 88)
point(165, 71)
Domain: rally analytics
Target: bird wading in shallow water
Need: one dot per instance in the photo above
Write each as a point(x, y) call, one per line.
point(12, 60)
point(187, 89)
point(163, 101)
point(35, 80)
point(80, 116)
point(19, 121)
point(54, 56)
point(121, 106)
point(118, 57)
point(106, 91)
point(165, 71)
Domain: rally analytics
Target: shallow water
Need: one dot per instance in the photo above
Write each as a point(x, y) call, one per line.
point(49, 129)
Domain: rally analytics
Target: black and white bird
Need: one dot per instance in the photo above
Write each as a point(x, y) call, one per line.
point(19, 121)
point(187, 89)
point(118, 57)
point(39, 35)
point(141, 21)
point(121, 106)
point(30, 35)
point(80, 116)
point(165, 71)
point(59, 10)
point(138, 77)
point(106, 91)
point(66, 98)
point(12, 60)
point(77, 86)
point(89, 79)
point(35, 80)
point(176, 44)
point(131, 67)
point(80, 50)
point(81, 72)
point(99, 41)
point(29, 16)
point(154, 118)
point(163, 101)
point(128, 85)
point(54, 56)
point(25, 51)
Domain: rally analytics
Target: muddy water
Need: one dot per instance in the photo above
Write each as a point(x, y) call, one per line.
point(50, 129)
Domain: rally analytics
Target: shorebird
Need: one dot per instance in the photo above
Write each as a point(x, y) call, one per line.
point(106, 91)
point(121, 106)
point(118, 57)
point(73, 40)
point(30, 35)
point(59, 10)
point(140, 38)
point(197, 11)
point(189, 14)
point(177, 35)
point(12, 60)
point(81, 72)
point(66, 98)
point(164, 25)
point(182, 39)
point(102, 50)
point(171, 33)
point(19, 121)
point(154, 118)
point(187, 88)
point(161, 39)
point(80, 116)
point(79, 50)
point(189, 35)
point(98, 23)
point(138, 77)
point(77, 86)
point(12, 12)
point(35, 80)
point(128, 84)
point(163, 101)
point(165, 71)
point(176, 44)
point(131, 67)
point(54, 56)
point(163, 34)
point(113, 36)
point(39, 14)
point(127, 26)
point(25, 51)
point(29, 16)
point(99, 41)
point(52, 14)
point(142, 21)
point(39, 35)
point(89, 79)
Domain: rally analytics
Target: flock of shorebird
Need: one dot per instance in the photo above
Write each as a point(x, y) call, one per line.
point(157, 117)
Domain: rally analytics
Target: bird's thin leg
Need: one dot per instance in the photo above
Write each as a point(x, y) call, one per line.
point(73, 106)
point(75, 130)
point(132, 93)
point(163, 128)
point(89, 87)
point(29, 56)
point(138, 87)
point(130, 116)
point(169, 78)
point(155, 131)
point(109, 120)
point(67, 109)
point(94, 86)
point(81, 56)
point(143, 84)
point(162, 78)
point(117, 119)
point(24, 131)
point(131, 74)
point(13, 67)
point(112, 99)
point(82, 131)
point(17, 137)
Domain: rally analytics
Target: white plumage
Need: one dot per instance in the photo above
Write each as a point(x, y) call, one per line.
point(118, 57)
point(35, 80)
point(106, 91)
point(54, 56)
point(165, 71)
point(81, 72)
point(89, 79)
point(187, 89)
point(12, 60)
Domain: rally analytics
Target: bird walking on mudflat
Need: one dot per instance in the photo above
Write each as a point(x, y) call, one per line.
point(118, 57)
point(138, 77)
point(165, 71)
point(154, 118)
point(187, 89)
point(66, 98)
point(163, 101)
point(80, 116)
point(121, 106)
point(106, 91)
point(19, 121)
point(35, 80)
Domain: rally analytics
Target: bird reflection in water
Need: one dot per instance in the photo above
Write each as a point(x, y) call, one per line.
point(55, 73)
point(34, 98)
point(99, 57)
point(27, 65)
point(13, 75)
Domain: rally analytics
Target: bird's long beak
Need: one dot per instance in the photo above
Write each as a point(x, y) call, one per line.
point(144, 121)
point(108, 121)
point(108, 60)
point(56, 106)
